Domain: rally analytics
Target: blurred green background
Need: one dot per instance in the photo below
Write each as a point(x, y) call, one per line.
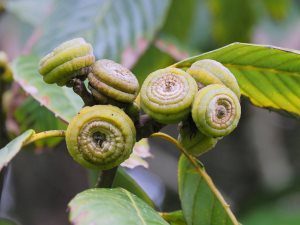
point(257, 167)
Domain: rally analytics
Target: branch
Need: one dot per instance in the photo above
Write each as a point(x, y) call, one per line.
point(106, 178)
point(146, 126)
point(45, 134)
point(80, 89)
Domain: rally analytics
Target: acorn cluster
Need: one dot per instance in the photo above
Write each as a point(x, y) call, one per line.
point(204, 100)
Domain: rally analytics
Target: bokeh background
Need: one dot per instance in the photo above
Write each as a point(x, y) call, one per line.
point(257, 167)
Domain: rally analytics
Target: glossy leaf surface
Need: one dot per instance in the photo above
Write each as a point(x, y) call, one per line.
point(267, 75)
point(111, 207)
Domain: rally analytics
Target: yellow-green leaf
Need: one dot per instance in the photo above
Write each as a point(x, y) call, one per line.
point(269, 76)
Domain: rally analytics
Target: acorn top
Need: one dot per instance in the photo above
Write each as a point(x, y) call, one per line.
point(216, 110)
point(113, 81)
point(68, 60)
point(208, 71)
point(100, 137)
point(167, 95)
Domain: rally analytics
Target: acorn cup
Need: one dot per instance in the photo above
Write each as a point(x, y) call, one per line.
point(110, 82)
point(208, 71)
point(167, 95)
point(216, 110)
point(205, 98)
point(100, 137)
point(70, 59)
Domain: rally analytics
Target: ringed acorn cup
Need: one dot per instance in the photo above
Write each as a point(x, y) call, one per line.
point(216, 110)
point(167, 95)
point(109, 80)
point(209, 71)
point(100, 137)
point(70, 59)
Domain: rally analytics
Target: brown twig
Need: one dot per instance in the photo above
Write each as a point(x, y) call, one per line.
point(106, 178)
point(80, 89)
point(146, 126)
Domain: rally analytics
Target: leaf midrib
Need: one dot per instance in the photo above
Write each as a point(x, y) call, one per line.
point(216, 194)
point(135, 207)
point(259, 68)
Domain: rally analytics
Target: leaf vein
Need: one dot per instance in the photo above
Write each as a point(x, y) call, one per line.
point(135, 207)
point(277, 87)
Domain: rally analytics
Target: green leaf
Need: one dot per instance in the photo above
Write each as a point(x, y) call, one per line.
point(13, 147)
point(31, 115)
point(111, 207)
point(201, 202)
point(174, 218)
point(123, 180)
point(267, 75)
point(60, 100)
point(31, 11)
point(119, 30)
